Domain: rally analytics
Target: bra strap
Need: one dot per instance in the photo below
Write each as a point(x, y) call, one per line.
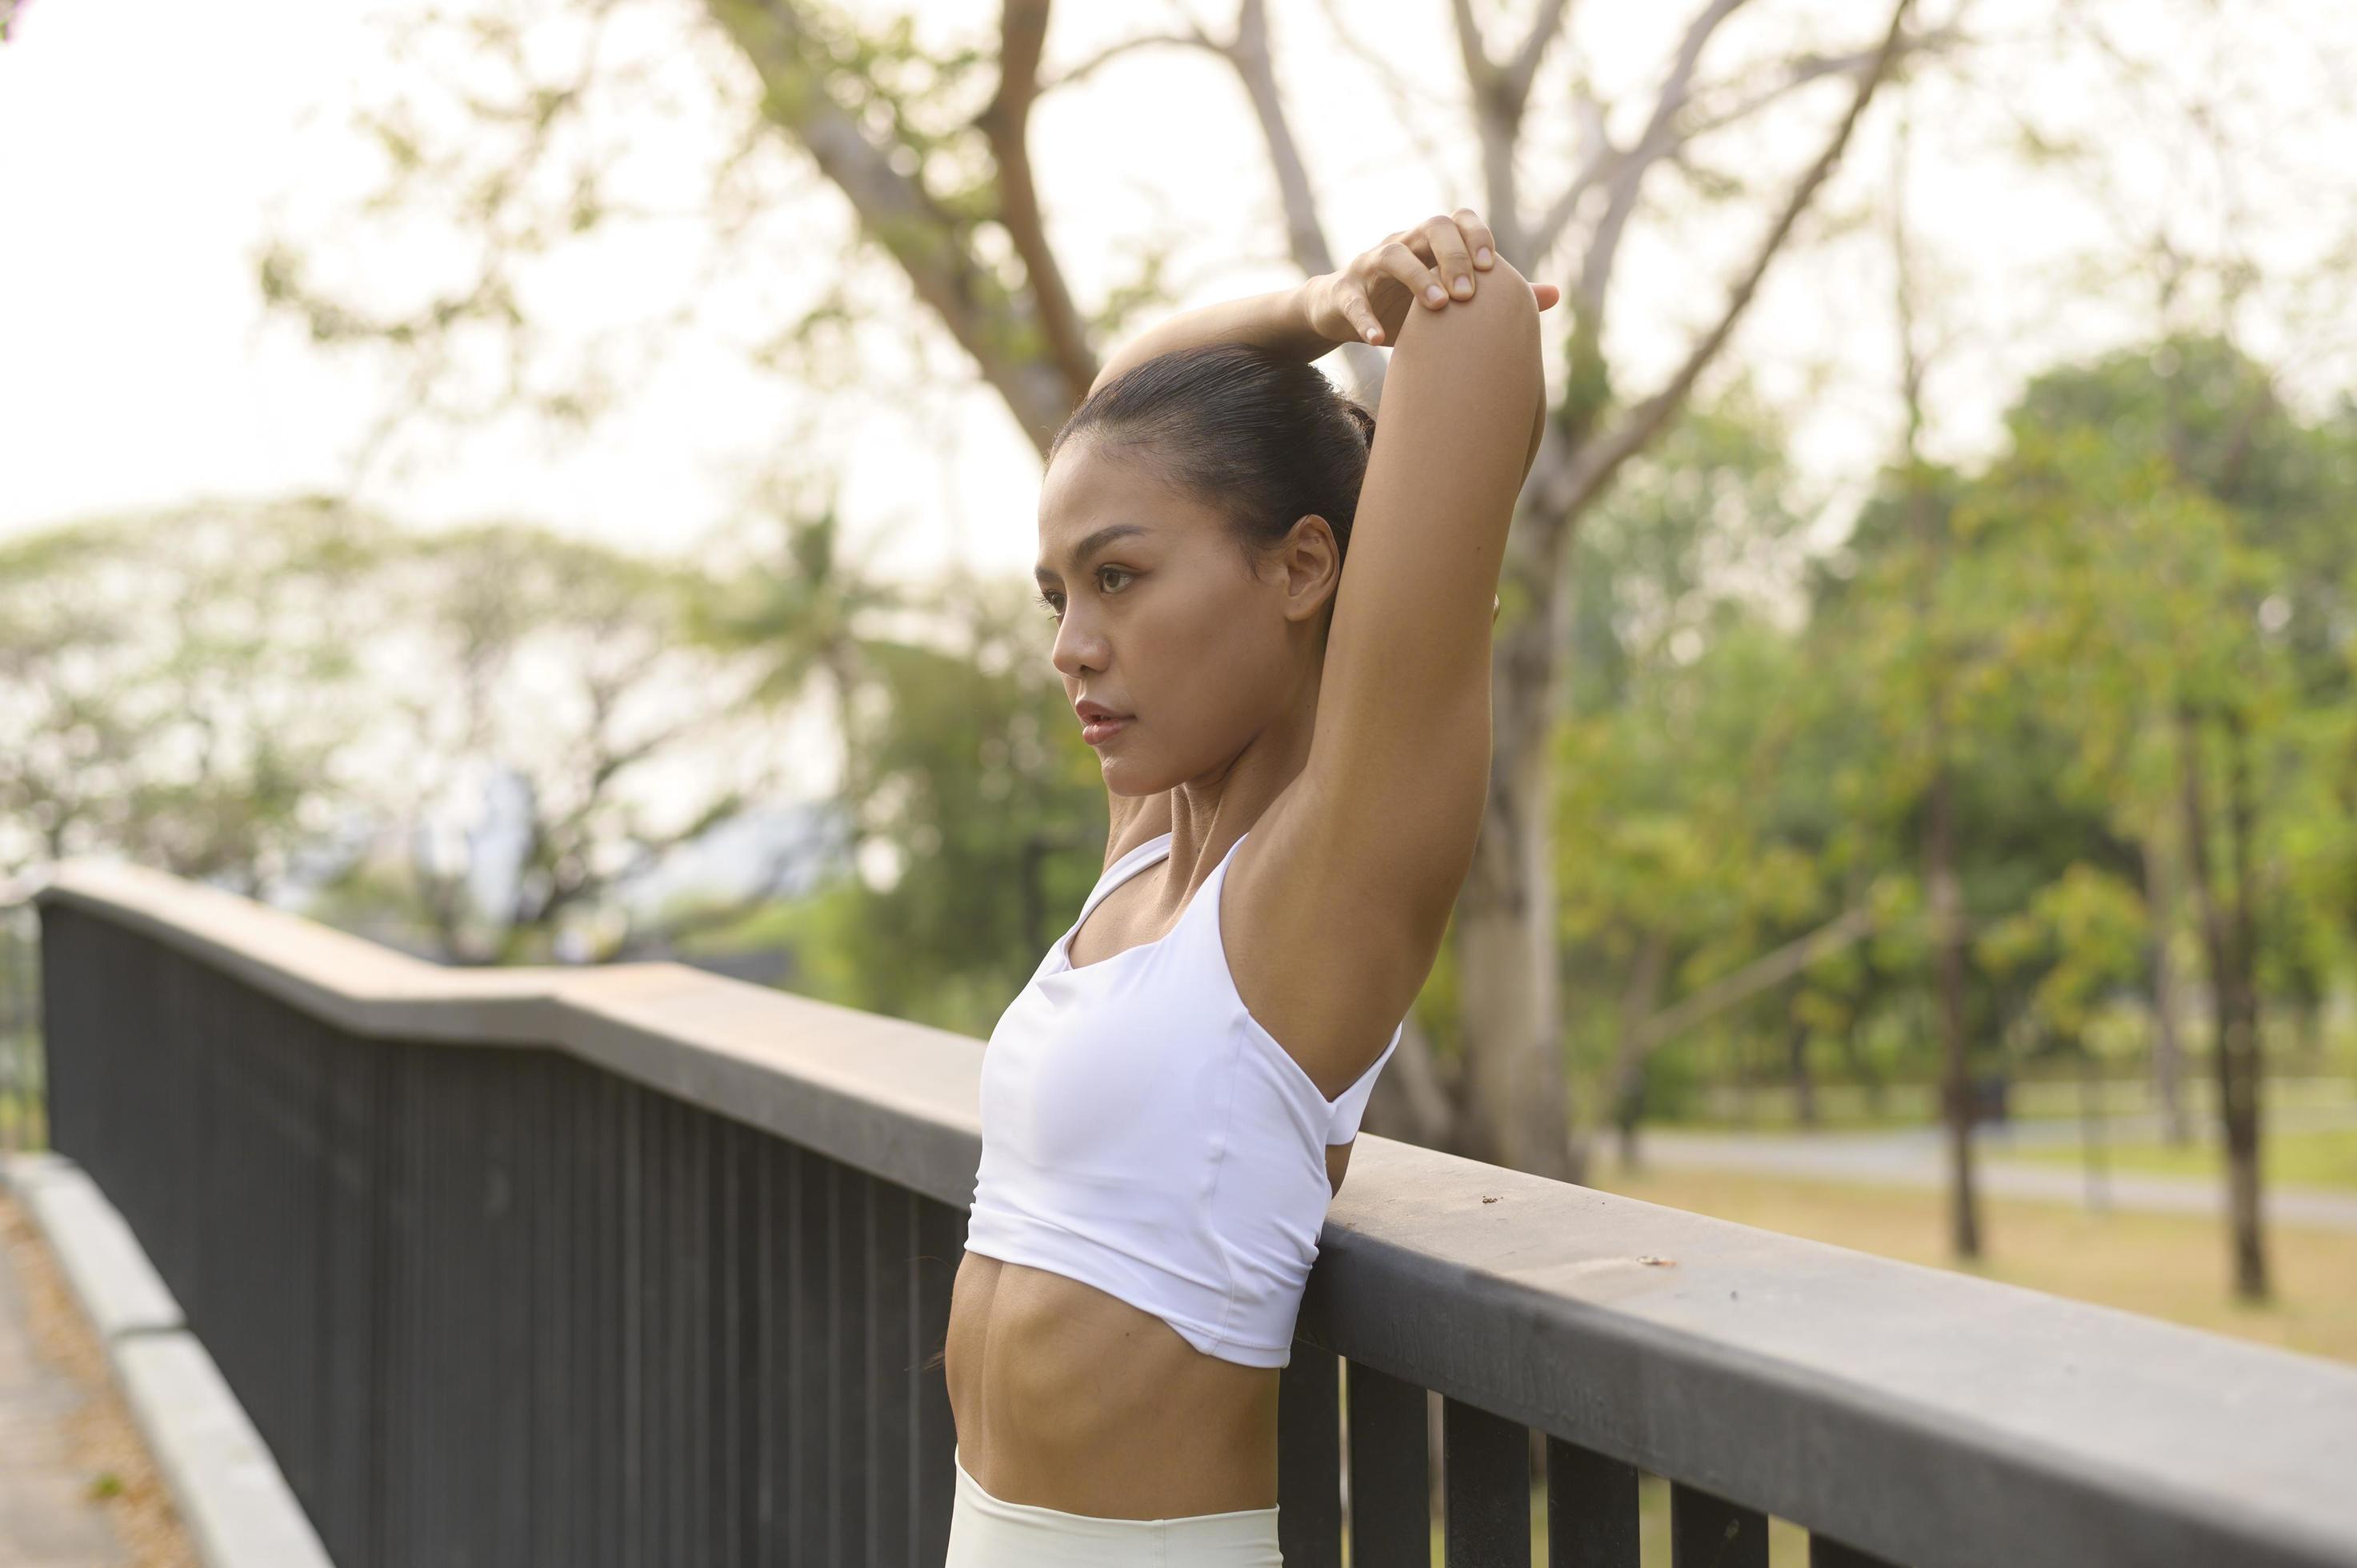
point(1121, 871)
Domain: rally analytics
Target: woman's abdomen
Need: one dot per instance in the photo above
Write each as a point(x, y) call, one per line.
point(1068, 1398)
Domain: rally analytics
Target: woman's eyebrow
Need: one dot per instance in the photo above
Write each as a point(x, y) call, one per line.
point(1092, 544)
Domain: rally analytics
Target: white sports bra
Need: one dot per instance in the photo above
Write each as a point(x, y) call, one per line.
point(1141, 1133)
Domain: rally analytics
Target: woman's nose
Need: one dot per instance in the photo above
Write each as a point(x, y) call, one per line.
point(1075, 648)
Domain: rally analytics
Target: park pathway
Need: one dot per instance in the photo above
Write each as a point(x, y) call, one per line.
point(1915, 1157)
point(61, 1425)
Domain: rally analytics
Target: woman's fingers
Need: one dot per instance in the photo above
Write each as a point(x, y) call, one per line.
point(1397, 260)
point(1453, 255)
point(1483, 244)
point(1435, 261)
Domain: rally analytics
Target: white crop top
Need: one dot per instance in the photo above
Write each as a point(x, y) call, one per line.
point(1141, 1133)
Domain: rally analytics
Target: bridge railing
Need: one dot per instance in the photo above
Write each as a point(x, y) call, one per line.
point(640, 1266)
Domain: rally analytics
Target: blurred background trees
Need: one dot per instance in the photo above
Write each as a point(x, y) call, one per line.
point(1862, 790)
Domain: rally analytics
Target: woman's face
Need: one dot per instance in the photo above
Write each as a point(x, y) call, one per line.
point(1159, 619)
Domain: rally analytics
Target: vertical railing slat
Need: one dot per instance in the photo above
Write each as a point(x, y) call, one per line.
point(1390, 1476)
point(893, 1380)
point(1485, 1465)
point(1592, 1519)
point(809, 1347)
point(1309, 1458)
point(1708, 1531)
point(942, 1238)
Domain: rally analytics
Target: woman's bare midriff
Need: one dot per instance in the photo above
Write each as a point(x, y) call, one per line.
point(1068, 1398)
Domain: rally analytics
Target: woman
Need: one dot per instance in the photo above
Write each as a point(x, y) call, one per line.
point(1168, 1106)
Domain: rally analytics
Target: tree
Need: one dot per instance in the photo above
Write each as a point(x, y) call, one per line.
point(2190, 625)
point(179, 687)
point(532, 686)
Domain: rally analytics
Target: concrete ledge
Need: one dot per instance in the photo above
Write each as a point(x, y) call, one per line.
point(232, 1500)
point(117, 1288)
point(235, 1505)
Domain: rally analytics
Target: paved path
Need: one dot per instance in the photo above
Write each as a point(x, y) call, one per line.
point(45, 1519)
point(1916, 1158)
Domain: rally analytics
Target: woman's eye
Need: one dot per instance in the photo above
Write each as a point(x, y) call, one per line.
point(1055, 611)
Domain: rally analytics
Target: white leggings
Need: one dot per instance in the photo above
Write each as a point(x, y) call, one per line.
point(989, 1533)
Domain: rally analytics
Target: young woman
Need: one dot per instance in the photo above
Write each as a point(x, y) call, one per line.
point(1169, 1104)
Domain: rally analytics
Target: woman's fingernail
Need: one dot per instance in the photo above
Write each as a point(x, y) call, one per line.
point(1481, 257)
point(1462, 288)
point(1433, 296)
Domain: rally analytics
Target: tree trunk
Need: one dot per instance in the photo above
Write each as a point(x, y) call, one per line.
point(1625, 1084)
point(1804, 1086)
point(1517, 1103)
point(2091, 1132)
point(1861, 1070)
point(2168, 1047)
point(2234, 1003)
point(1947, 935)
point(2239, 1060)
point(1625, 1118)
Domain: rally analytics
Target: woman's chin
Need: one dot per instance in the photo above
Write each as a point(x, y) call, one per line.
point(1124, 777)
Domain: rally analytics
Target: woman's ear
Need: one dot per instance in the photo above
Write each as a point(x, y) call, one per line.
point(1313, 565)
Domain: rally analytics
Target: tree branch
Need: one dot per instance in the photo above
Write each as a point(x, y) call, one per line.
point(1759, 975)
point(1521, 71)
point(1800, 72)
point(1628, 169)
point(1005, 122)
point(988, 321)
point(1193, 38)
point(1249, 53)
point(1601, 159)
point(1580, 479)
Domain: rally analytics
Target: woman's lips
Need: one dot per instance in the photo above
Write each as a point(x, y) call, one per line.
point(1094, 730)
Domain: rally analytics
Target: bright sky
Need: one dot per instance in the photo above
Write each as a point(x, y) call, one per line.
point(147, 148)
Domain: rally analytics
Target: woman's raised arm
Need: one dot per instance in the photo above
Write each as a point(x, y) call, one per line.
point(1397, 776)
point(1428, 267)
point(1278, 321)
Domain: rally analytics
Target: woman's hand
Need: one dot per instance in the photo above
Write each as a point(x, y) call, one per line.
point(1368, 301)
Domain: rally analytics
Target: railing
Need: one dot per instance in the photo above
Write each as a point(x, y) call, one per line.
point(641, 1266)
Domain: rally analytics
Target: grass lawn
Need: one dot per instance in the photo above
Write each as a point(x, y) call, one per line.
point(2325, 1158)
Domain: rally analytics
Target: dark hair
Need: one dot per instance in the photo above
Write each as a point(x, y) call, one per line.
point(1264, 438)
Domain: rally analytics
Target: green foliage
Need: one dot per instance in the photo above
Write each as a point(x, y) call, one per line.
point(2163, 537)
point(2086, 930)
